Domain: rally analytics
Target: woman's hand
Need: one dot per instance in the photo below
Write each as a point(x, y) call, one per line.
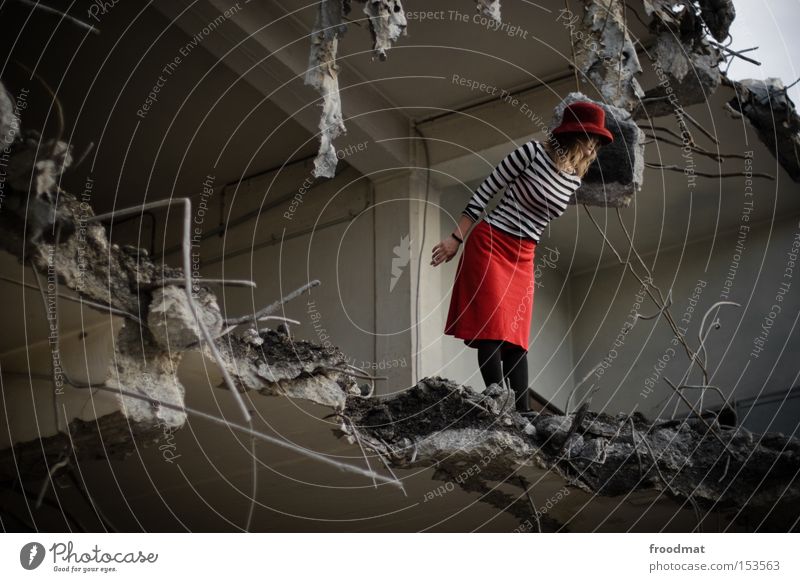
point(444, 251)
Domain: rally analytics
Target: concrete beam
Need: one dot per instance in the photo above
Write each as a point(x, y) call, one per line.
point(269, 48)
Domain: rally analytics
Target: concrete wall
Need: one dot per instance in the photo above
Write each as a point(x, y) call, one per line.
point(361, 236)
point(35, 403)
point(307, 230)
point(635, 363)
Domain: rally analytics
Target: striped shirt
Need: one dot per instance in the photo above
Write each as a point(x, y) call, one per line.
point(536, 193)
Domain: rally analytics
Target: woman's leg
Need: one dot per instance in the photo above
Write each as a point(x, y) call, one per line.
point(515, 369)
point(490, 361)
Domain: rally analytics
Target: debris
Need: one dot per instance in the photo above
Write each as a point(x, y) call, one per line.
point(769, 110)
point(432, 424)
point(387, 22)
point(618, 172)
point(605, 54)
point(323, 75)
point(9, 121)
point(687, 67)
point(489, 8)
point(718, 16)
point(282, 366)
point(171, 321)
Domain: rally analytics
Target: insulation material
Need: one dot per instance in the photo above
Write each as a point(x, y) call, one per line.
point(323, 75)
point(769, 110)
point(606, 55)
point(387, 21)
point(9, 122)
point(489, 8)
point(618, 172)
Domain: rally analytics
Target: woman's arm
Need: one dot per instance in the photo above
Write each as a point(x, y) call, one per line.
point(447, 249)
point(463, 226)
point(504, 173)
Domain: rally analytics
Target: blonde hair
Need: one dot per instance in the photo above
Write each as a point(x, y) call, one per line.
point(566, 150)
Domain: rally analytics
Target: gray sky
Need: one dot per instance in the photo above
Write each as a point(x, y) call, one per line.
point(771, 25)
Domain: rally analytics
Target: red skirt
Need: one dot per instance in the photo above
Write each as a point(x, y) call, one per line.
point(493, 289)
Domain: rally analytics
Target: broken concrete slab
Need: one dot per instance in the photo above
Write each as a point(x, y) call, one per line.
point(618, 172)
point(141, 365)
point(387, 21)
point(9, 121)
point(688, 73)
point(172, 322)
point(769, 110)
point(275, 364)
point(604, 51)
point(444, 424)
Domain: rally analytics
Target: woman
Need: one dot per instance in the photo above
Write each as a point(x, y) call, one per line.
point(492, 300)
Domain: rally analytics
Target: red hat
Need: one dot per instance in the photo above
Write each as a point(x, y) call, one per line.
point(585, 117)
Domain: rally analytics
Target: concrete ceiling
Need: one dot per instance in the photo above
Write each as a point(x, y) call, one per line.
point(206, 120)
point(446, 38)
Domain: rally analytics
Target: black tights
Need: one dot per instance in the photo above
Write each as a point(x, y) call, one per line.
point(499, 361)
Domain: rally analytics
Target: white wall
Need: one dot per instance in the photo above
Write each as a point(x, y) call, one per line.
point(697, 274)
point(326, 232)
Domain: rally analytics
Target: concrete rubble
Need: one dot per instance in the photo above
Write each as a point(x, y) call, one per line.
point(171, 321)
point(273, 364)
point(604, 52)
point(686, 60)
point(450, 426)
point(618, 173)
point(769, 110)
